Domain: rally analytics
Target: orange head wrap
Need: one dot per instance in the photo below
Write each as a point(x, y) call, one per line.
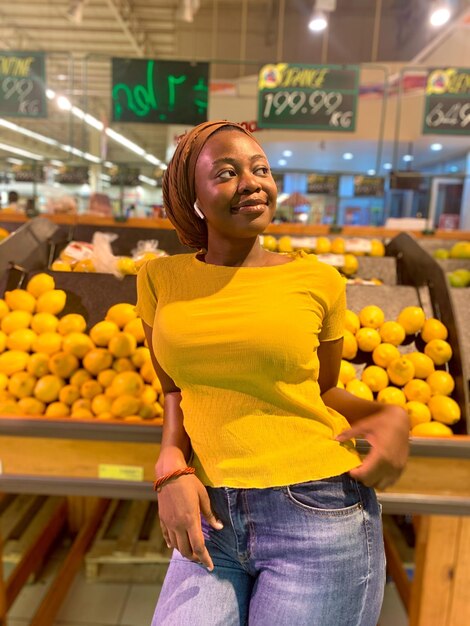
point(179, 184)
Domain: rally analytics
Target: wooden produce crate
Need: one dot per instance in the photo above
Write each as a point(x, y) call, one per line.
point(129, 545)
point(23, 518)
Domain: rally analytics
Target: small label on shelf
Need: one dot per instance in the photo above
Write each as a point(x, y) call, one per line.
point(121, 472)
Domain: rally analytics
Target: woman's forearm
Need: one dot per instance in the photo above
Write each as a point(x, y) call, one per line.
point(175, 449)
point(352, 407)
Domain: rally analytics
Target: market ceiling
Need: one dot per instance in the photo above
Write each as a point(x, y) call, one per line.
point(80, 37)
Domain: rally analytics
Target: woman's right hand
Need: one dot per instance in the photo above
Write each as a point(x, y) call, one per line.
point(180, 504)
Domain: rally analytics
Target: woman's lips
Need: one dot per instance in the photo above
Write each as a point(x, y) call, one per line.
point(249, 208)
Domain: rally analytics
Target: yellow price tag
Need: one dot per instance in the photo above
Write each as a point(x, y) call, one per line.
point(121, 472)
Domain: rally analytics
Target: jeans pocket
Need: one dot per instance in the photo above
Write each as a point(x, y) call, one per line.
point(334, 496)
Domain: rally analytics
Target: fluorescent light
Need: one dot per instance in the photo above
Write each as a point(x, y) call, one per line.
point(318, 22)
point(408, 157)
point(387, 166)
point(152, 159)
point(105, 177)
point(50, 93)
point(28, 133)
point(64, 103)
point(21, 152)
point(436, 147)
point(15, 161)
point(163, 166)
point(56, 163)
point(92, 121)
point(108, 164)
point(371, 172)
point(149, 181)
point(125, 142)
point(287, 153)
point(348, 156)
point(282, 162)
point(440, 15)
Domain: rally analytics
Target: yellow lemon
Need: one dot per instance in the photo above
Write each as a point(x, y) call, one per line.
point(157, 385)
point(44, 323)
point(102, 332)
point(48, 387)
point(21, 339)
point(57, 409)
point(149, 394)
point(125, 405)
point(3, 340)
point(392, 332)
point(323, 245)
point(359, 389)
point(384, 353)
point(444, 409)
point(80, 376)
point(20, 300)
point(126, 265)
point(78, 344)
point(85, 265)
point(71, 323)
point(15, 320)
point(106, 415)
point(21, 384)
point(123, 364)
point(441, 383)
point(268, 242)
point(122, 345)
point(376, 248)
point(418, 390)
point(106, 377)
point(433, 329)
point(351, 321)
point(31, 406)
point(97, 360)
point(13, 361)
point(132, 418)
point(39, 284)
point(412, 319)
point(90, 389)
point(431, 429)
point(51, 301)
point(61, 266)
point(81, 414)
point(438, 350)
point(338, 246)
point(418, 413)
point(81, 403)
point(347, 372)
point(101, 404)
point(284, 244)
point(63, 364)
point(135, 327)
point(371, 316)
point(3, 381)
point(69, 394)
point(147, 372)
point(147, 411)
point(367, 339)
point(121, 314)
point(4, 308)
point(9, 407)
point(38, 364)
point(158, 408)
point(400, 371)
point(140, 356)
point(349, 345)
point(391, 395)
point(375, 377)
point(48, 343)
point(350, 265)
point(340, 384)
point(127, 383)
point(424, 366)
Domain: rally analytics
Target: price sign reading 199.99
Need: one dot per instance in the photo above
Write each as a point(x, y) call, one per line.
point(311, 97)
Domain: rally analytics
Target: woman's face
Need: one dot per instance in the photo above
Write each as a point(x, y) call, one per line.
point(234, 186)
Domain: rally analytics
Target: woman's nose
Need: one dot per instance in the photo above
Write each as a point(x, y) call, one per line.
point(248, 182)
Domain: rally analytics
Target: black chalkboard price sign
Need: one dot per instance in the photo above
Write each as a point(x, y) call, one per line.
point(368, 186)
point(159, 92)
point(22, 84)
point(311, 97)
point(447, 105)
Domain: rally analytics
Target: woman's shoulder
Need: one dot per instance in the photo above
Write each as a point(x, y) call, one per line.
point(167, 263)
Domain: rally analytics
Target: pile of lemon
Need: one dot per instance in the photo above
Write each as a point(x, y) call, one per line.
point(51, 366)
point(418, 381)
point(325, 245)
point(125, 265)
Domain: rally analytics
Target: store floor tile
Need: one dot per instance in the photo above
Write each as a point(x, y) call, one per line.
point(140, 605)
point(393, 612)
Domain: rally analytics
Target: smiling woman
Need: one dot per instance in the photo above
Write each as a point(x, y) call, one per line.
point(275, 522)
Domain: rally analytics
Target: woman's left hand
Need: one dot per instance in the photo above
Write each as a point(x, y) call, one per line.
point(387, 431)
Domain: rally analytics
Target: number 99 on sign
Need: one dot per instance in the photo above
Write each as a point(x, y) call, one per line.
point(299, 103)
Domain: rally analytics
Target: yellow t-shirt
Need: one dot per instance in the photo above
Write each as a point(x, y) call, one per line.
point(241, 344)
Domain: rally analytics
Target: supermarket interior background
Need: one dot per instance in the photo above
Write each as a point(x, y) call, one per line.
point(363, 110)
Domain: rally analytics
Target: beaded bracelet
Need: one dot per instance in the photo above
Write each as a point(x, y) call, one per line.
point(158, 484)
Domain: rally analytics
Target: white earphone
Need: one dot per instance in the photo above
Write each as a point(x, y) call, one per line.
point(198, 211)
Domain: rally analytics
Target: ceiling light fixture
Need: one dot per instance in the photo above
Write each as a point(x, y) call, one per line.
point(318, 22)
point(371, 172)
point(348, 156)
point(435, 147)
point(282, 162)
point(20, 152)
point(408, 157)
point(149, 181)
point(440, 14)
point(287, 153)
point(387, 166)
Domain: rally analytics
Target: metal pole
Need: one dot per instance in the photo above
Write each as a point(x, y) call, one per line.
point(280, 30)
point(244, 17)
point(215, 19)
point(376, 32)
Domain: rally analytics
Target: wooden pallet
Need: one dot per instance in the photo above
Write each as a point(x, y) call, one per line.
point(129, 546)
point(22, 520)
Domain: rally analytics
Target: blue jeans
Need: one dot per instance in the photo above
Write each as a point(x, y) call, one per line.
point(310, 554)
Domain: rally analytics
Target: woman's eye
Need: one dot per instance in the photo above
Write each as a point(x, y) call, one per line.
point(263, 170)
point(226, 174)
